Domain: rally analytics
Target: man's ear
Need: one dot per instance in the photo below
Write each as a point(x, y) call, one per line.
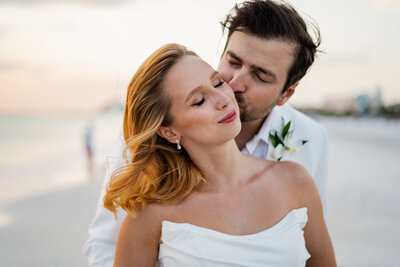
point(168, 134)
point(287, 94)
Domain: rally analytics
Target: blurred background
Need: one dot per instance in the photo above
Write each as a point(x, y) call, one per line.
point(64, 69)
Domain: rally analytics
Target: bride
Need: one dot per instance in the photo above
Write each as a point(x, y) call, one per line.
point(193, 199)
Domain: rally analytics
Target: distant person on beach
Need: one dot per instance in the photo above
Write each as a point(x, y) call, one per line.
point(268, 51)
point(89, 148)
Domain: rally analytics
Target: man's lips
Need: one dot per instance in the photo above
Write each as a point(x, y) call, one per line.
point(229, 118)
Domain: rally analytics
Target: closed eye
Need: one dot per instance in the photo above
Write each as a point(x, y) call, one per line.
point(260, 79)
point(199, 103)
point(221, 82)
point(233, 63)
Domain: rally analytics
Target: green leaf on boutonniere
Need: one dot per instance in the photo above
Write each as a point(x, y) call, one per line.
point(273, 140)
point(286, 129)
point(303, 142)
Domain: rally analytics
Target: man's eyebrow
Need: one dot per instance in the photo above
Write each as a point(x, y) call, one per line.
point(230, 53)
point(265, 71)
point(254, 67)
point(198, 88)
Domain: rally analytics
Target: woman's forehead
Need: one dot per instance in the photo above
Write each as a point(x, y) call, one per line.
point(187, 74)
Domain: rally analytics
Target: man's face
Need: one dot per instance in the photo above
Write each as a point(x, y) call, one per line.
point(257, 70)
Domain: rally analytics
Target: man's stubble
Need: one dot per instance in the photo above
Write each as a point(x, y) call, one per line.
point(251, 112)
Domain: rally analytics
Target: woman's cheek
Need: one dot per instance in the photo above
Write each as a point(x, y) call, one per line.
point(201, 118)
point(195, 119)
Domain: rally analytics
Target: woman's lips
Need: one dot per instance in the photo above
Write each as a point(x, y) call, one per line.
point(229, 118)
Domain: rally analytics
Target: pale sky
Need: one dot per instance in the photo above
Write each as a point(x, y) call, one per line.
point(62, 55)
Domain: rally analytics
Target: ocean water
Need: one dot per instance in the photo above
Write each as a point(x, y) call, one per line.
point(42, 153)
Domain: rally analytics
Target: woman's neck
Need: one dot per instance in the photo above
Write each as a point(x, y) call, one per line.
point(222, 165)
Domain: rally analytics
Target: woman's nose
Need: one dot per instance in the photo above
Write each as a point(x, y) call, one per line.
point(222, 101)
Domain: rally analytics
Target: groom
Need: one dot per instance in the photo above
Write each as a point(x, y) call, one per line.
point(268, 51)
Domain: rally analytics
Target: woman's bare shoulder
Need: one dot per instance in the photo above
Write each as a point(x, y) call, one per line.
point(292, 171)
point(299, 179)
point(286, 175)
point(153, 211)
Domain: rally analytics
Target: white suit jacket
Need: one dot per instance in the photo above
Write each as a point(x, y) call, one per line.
point(103, 232)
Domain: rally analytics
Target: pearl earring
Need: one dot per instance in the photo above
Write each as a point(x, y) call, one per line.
point(178, 144)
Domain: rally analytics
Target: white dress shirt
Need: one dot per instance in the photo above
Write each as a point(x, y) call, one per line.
point(103, 232)
point(258, 145)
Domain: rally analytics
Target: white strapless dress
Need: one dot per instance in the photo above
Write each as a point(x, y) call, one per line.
point(281, 245)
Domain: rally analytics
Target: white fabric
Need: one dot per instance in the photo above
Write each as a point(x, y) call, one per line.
point(258, 145)
point(103, 232)
point(279, 246)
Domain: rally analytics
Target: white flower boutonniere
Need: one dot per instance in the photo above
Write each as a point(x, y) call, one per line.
point(282, 141)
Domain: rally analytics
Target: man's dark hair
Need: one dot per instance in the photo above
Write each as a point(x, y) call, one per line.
point(268, 19)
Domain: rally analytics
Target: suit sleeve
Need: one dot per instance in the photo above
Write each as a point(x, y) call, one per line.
point(321, 172)
point(99, 249)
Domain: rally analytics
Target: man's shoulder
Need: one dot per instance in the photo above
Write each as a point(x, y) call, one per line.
point(301, 121)
point(302, 126)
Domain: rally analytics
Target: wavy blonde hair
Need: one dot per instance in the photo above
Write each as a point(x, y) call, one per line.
point(154, 171)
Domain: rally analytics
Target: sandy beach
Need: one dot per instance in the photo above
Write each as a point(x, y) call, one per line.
point(49, 229)
point(363, 201)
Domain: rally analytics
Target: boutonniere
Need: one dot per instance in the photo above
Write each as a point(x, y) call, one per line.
point(282, 141)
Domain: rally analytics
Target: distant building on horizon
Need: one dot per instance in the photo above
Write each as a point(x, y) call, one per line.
point(363, 104)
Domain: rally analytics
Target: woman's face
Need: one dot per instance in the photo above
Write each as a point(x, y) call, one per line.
point(203, 108)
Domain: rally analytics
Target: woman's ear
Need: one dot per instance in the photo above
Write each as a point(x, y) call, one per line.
point(168, 134)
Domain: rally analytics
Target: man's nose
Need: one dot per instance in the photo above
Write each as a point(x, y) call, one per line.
point(238, 82)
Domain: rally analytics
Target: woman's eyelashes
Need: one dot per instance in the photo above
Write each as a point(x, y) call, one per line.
point(200, 102)
point(218, 81)
point(221, 82)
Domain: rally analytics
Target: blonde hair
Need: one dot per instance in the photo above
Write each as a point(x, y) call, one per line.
point(155, 171)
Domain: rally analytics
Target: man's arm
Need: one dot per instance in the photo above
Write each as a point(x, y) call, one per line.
point(99, 249)
point(321, 172)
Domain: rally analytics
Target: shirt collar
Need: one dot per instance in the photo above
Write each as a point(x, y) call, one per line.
point(261, 136)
